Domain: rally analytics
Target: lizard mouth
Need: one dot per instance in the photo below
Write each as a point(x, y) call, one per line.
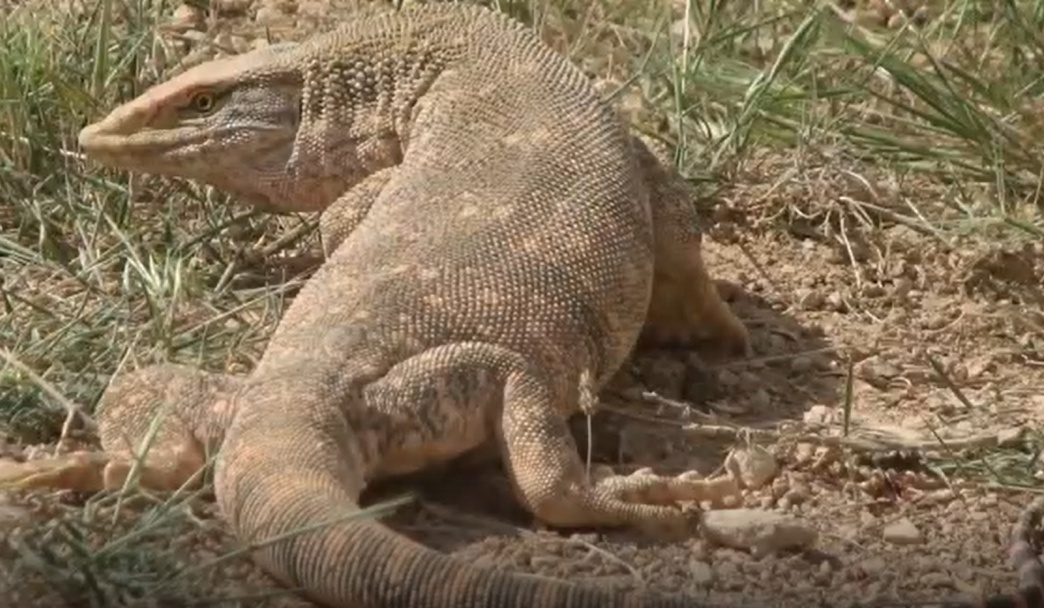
point(145, 149)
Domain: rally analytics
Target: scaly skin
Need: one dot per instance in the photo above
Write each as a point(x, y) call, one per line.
point(259, 150)
point(1024, 555)
point(490, 264)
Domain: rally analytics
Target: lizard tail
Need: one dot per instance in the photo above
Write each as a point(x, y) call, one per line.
point(1024, 555)
point(278, 498)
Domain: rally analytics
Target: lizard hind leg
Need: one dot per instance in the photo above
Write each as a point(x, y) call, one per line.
point(157, 423)
point(551, 481)
point(441, 403)
point(686, 305)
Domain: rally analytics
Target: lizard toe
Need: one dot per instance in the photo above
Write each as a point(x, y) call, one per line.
point(668, 524)
point(643, 486)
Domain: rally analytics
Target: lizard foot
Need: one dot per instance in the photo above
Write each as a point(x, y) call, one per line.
point(84, 471)
point(682, 313)
point(646, 487)
point(77, 471)
point(661, 507)
point(656, 504)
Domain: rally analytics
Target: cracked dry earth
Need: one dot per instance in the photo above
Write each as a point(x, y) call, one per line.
point(944, 340)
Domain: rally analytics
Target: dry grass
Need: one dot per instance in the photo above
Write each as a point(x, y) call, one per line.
point(102, 270)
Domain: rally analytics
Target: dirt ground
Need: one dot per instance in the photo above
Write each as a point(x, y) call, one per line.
point(945, 343)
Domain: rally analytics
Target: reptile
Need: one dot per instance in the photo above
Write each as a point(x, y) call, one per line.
point(1025, 557)
point(383, 365)
point(493, 253)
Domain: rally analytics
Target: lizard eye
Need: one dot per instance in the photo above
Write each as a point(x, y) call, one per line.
point(203, 102)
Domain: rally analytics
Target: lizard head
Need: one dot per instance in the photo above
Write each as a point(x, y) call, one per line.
point(231, 123)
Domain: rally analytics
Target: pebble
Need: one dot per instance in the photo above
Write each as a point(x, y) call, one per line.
point(902, 532)
point(836, 302)
point(818, 414)
point(797, 494)
point(754, 467)
point(760, 401)
point(801, 364)
point(186, 17)
point(1009, 438)
point(811, 300)
point(873, 566)
point(760, 532)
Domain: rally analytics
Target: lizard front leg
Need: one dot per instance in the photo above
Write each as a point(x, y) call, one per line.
point(341, 218)
point(686, 305)
point(170, 416)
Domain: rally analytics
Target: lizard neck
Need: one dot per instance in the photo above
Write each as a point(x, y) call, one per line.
point(361, 86)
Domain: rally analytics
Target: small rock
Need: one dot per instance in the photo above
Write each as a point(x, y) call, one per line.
point(754, 467)
point(801, 364)
point(873, 566)
point(811, 300)
point(818, 414)
point(760, 400)
point(877, 372)
point(269, 15)
point(186, 17)
point(760, 532)
point(902, 532)
point(938, 497)
point(836, 302)
point(1009, 438)
point(797, 494)
point(980, 365)
point(804, 453)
